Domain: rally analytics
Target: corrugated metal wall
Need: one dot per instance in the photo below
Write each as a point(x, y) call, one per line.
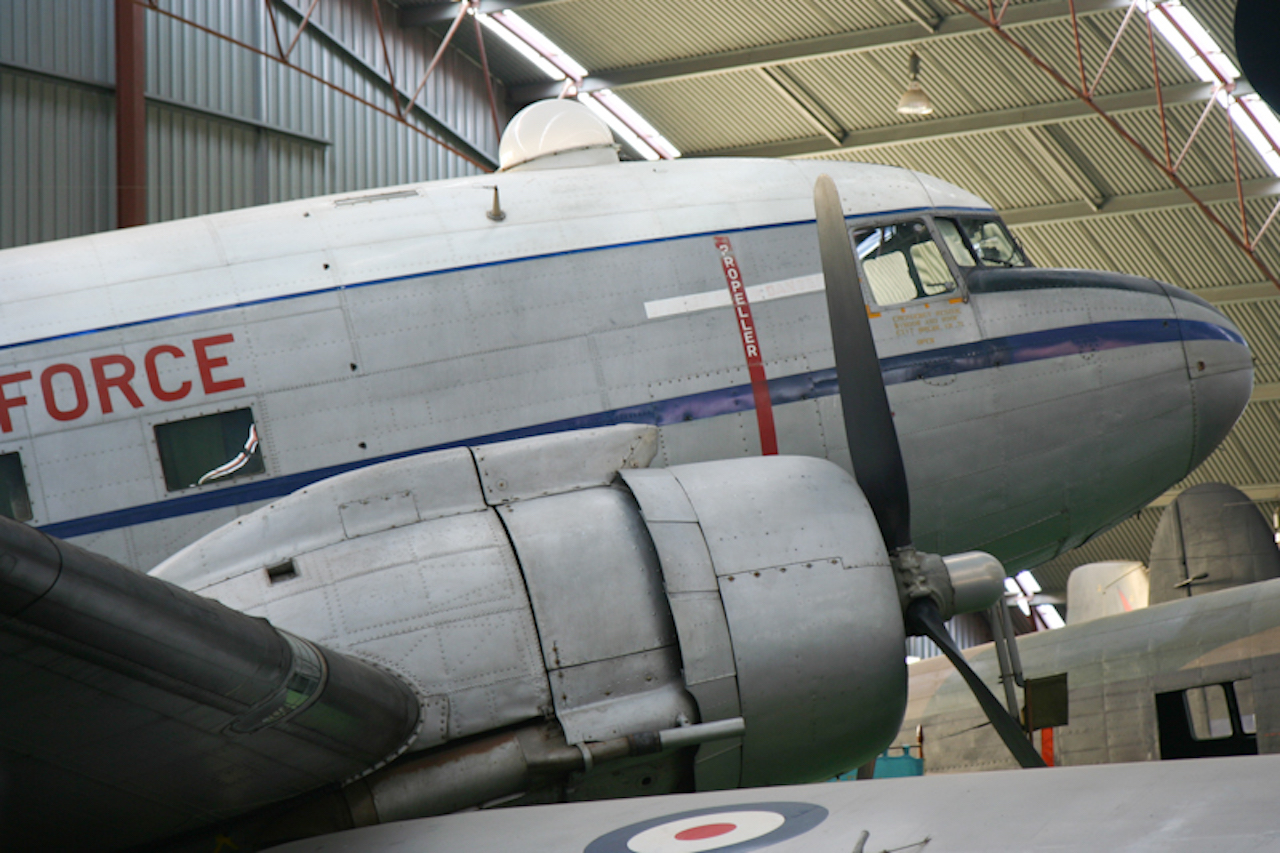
point(225, 128)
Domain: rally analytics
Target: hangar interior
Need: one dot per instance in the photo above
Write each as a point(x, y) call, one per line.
point(1110, 134)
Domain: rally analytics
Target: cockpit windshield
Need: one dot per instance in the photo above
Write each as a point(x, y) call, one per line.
point(983, 242)
point(901, 262)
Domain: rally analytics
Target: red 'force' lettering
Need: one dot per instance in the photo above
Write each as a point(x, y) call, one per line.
point(106, 383)
point(7, 403)
point(77, 385)
point(116, 372)
point(153, 375)
point(207, 365)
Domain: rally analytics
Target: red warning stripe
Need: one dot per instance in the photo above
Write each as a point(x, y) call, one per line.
point(750, 346)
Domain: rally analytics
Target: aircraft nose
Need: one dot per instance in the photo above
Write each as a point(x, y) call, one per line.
point(1219, 366)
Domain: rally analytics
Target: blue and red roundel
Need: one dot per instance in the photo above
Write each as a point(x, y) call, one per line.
point(726, 829)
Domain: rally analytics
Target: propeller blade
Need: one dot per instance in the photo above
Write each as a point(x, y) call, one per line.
point(873, 443)
point(868, 421)
point(923, 618)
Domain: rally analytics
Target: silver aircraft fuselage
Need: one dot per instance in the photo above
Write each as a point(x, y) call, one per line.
point(1034, 407)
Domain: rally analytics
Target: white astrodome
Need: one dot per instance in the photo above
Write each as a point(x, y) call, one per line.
point(553, 134)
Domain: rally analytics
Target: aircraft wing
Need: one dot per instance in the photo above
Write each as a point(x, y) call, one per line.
point(1207, 804)
point(132, 710)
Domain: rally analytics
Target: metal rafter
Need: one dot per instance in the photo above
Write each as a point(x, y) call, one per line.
point(1227, 293)
point(1143, 202)
point(902, 133)
point(1256, 492)
point(1086, 176)
point(1035, 12)
point(805, 103)
point(1166, 167)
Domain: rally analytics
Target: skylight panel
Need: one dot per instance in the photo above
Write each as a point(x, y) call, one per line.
point(539, 45)
point(1206, 59)
point(499, 27)
point(555, 63)
point(634, 124)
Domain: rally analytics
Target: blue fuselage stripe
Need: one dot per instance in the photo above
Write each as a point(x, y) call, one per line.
point(945, 361)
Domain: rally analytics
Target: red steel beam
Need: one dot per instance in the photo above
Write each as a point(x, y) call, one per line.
point(1155, 73)
point(448, 37)
point(275, 29)
point(306, 19)
point(386, 55)
point(1223, 81)
point(131, 115)
point(993, 25)
point(1075, 28)
point(484, 69)
point(1102, 69)
point(1235, 163)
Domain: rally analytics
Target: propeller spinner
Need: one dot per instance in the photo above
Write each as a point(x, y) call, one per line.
point(877, 457)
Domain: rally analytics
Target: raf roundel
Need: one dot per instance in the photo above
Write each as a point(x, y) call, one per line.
point(728, 829)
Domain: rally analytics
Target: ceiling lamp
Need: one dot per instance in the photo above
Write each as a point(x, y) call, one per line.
point(914, 101)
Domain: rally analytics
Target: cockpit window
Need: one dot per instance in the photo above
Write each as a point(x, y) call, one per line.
point(956, 244)
point(986, 239)
point(901, 262)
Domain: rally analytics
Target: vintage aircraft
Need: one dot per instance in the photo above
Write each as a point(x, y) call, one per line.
point(526, 613)
point(1194, 674)
point(1035, 407)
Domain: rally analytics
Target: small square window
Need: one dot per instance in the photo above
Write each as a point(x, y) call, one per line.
point(209, 449)
point(15, 503)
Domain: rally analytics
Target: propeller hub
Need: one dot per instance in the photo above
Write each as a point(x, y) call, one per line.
point(959, 583)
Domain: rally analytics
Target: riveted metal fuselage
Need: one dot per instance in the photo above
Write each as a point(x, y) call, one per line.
point(360, 329)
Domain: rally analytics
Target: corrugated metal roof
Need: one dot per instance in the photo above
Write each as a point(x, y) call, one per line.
point(604, 34)
point(1177, 245)
point(1259, 322)
point(707, 115)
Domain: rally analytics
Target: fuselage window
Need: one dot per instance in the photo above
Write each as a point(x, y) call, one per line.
point(15, 503)
point(209, 449)
point(1211, 720)
point(1210, 715)
point(986, 239)
point(901, 262)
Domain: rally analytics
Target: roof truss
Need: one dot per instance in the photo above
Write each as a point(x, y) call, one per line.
point(794, 51)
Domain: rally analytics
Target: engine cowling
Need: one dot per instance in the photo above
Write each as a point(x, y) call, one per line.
point(513, 583)
point(786, 612)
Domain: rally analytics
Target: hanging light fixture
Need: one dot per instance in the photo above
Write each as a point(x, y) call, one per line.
point(914, 101)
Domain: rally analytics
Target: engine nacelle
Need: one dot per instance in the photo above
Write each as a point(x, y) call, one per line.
point(512, 583)
point(786, 611)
